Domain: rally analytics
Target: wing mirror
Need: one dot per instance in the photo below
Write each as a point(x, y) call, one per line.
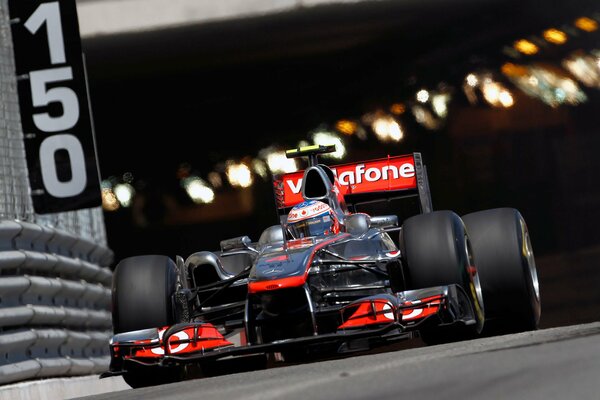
point(357, 224)
point(237, 243)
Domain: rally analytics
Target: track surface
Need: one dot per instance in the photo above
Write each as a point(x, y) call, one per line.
point(556, 363)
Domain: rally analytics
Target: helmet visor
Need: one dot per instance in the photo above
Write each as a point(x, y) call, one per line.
point(315, 226)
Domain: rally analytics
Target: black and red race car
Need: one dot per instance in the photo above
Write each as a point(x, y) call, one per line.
point(394, 269)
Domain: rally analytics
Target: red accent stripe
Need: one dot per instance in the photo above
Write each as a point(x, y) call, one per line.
point(292, 281)
point(262, 286)
point(278, 258)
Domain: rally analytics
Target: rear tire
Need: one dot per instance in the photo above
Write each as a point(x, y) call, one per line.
point(504, 256)
point(141, 294)
point(436, 250)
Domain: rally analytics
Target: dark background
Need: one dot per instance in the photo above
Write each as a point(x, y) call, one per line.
point(203, 94)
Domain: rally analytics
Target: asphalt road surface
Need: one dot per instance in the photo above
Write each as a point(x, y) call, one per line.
point(556, 363)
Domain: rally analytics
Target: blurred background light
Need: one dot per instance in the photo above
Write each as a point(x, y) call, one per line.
point(198, 190)
point(422, 96)
point(277, 161)
point(386, 128)
point(328, 138)
point(586, 24)
point(470, 83)
point(555, 36)
point(584, 67)
point(526, 47)
point(506, 98)
point(515, 70)
point(260, 168)
point(472, 80)
point(397, 108)
point(239, 174)
point(549, 84)
point(439, 104)
point(124, 193)
point(496, 94)
point(425, 117)
point(109, 200)
point(346, 127)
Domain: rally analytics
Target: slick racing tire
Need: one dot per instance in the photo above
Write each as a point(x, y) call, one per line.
point(504, 257)
point(437, 252)
point(141, 293)
point(142, 290)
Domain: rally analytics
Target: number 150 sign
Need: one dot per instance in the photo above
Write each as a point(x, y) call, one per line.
point(55, 114)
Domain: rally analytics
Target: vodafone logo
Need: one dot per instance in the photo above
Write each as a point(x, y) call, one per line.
point(375, 174)
point(361, 173)
point(309, 209)
point(394, 173)
point(181, 335)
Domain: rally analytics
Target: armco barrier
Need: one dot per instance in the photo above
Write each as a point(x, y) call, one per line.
point(55, 299)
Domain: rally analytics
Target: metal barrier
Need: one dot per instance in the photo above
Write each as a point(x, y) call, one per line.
point(54, 303)
point(54, 268)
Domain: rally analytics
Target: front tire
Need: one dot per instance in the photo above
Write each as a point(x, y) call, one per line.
point(504, 255)
point(437, 252)
point(142, 292)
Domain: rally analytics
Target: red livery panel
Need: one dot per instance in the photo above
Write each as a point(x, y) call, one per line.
point(191, 339)
point(385, 174)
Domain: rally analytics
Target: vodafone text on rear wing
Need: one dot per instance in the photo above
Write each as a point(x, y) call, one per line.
point(364, 184)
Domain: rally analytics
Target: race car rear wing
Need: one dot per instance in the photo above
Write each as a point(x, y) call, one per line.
point(367, 186)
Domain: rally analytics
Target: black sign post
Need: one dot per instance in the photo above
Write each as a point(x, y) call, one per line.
point(55, 112)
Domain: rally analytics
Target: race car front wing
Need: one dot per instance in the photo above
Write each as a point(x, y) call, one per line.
point(380, 319)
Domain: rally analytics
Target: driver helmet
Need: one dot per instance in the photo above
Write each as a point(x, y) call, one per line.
point(312, 218)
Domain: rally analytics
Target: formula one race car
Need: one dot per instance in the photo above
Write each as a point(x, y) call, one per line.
point(358, 259)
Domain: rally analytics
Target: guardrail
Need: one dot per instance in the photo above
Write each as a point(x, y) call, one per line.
point(55, 300)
